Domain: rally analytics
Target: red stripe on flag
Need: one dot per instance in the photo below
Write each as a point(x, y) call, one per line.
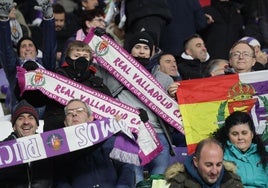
point(191, 148)
point(209, 88)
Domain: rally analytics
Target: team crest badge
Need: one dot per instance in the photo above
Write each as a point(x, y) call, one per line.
point(102, 48)
point(241, 98)
point(38, 79)
point(54, 141)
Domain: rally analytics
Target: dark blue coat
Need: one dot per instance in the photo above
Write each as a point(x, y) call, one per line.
point(187, 18)
point(92, 167)
point(11, 60)
point(226, 29)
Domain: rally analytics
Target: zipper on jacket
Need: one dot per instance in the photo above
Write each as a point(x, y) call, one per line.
point(29, 174)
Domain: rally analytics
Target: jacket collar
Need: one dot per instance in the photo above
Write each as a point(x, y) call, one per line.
point(188, 57)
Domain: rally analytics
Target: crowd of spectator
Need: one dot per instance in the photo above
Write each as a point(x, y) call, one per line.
point(174, 40)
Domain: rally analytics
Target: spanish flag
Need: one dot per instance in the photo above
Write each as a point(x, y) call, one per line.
point(205, 103)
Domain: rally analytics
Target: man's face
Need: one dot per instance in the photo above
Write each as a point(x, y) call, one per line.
point(210, 164)
point(140, 50)
point(168, 65)
point(196, 49)
point(90, 4)
point(25, 125)
point(59, 21)
point(27, 50)
point(76, 114)
point(241, 58)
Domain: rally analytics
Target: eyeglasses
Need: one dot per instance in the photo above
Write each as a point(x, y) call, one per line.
point(245, 54)
point(79, 110)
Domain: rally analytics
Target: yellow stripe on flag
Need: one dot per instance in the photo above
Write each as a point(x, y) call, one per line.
point(203, 104)
point(201, 120)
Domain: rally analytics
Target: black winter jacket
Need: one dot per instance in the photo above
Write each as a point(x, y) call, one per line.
point(138, 9)
point(37, 174)
point(54, 113)
point(191, 68)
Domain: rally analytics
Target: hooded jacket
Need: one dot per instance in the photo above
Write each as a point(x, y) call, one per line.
point(247, 163)
point(181, 176)
point(190, 68)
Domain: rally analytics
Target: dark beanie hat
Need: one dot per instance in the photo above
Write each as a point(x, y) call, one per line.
point(141, 37)
point(24, 107)
point(21, 40)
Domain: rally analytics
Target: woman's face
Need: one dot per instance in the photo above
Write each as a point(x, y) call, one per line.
point(241, 136)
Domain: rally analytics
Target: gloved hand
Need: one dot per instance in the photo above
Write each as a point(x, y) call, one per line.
point(30, 65)
point(46, 7)
point(99, 31)
point(5, 8)
point(143, 115)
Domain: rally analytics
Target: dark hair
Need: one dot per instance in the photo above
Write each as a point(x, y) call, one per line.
point(237, 118)
point(21, 40)
point(212, 65)
point(242, 42)
point(89, 15)
point(161, 54)
point(188, 39)
point(204, 142)
point(58, 8)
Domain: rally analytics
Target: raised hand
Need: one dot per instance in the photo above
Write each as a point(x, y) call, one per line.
point(143, 115)
point(46, 7)
point(5, 8)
